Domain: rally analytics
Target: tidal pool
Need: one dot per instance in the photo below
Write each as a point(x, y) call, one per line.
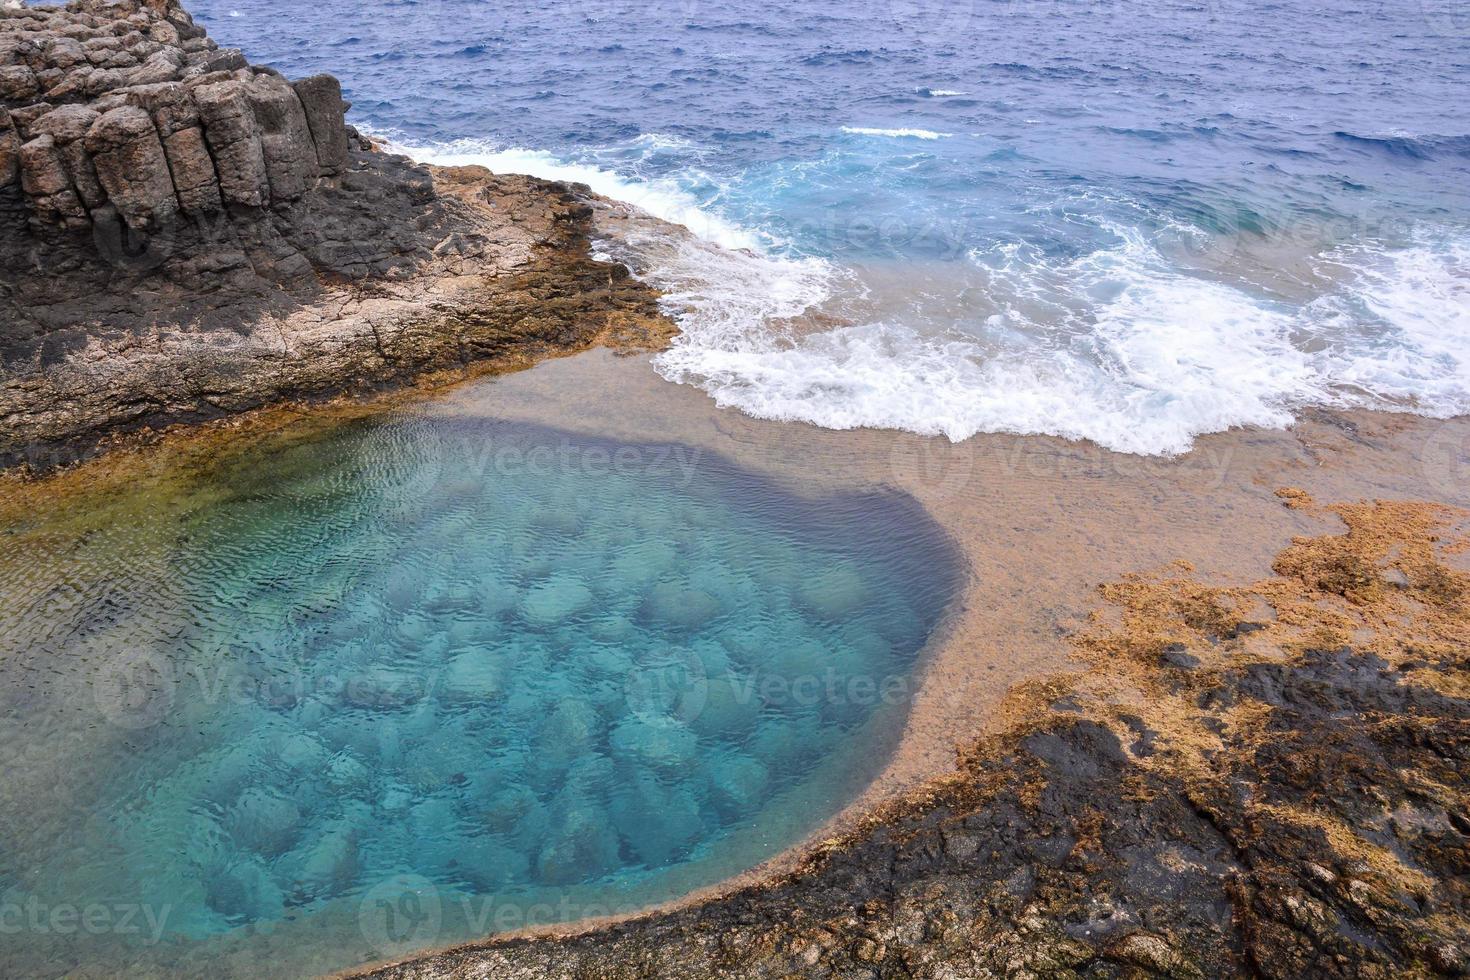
point(421, 679)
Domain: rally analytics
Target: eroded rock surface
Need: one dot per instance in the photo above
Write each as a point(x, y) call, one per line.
point(1256, 781)
point(184, 235)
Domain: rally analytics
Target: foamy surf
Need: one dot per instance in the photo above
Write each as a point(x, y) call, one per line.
point(1118, 346)
point(906, 133)
point(664, 199)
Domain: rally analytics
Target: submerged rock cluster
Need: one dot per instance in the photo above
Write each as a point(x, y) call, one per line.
point(185, 236)
point(128, 113)
point(1256, 781)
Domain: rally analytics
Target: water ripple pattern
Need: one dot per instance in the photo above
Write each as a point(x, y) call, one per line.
point(507, 665)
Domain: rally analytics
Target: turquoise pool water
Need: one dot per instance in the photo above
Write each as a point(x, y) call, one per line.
point(424, 679)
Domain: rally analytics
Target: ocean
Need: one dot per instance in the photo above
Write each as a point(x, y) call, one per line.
point(1126, 222)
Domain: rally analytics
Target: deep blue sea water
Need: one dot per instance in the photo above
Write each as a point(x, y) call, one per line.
point(1126, 221)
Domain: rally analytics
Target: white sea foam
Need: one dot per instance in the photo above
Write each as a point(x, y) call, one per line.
point(1118, 346)
point(1163, 359)
point(722, 283)
point(1400, 326)
point(940, 93)
point(662, 198)
point(922, 134)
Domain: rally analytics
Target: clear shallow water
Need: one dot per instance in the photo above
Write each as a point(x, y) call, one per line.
point(1130, 221)
point(426, 679)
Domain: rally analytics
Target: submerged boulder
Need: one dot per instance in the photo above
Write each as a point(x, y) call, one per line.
point(581, 848)
point(324, 867)
point(554, 600)
point(472, 678)
point(738, 784)
point(657, 822)
point(834, 594)
point(265, 823)
point(490, 865)
point(669, 604)
point(658, 742)
point(244, 892)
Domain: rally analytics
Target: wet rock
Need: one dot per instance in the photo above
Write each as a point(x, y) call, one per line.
point(568, 732)
point(658, 822)
point(656, 742)
point(323, 867)
point(670, 605)
point(581, 848)
point(490, 865)
point(472, 678)
point(730, 708)
point(738, 784)
point(506, 807)
point(347, 776)
point(302, 752)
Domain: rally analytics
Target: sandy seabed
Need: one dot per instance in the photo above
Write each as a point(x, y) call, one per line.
point(1043, 522)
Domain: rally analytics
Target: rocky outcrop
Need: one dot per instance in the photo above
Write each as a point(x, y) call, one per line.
point(184, 236)
point(126, 111)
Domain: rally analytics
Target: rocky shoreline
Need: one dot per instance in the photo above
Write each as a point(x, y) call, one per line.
point(185, 236)
point(1259, 780)
point(1264, 779)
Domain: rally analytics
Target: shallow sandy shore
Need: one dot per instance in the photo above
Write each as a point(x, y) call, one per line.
point(1042, 522)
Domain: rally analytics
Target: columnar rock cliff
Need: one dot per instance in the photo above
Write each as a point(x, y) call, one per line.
point(114, 113)
point(184, 235)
